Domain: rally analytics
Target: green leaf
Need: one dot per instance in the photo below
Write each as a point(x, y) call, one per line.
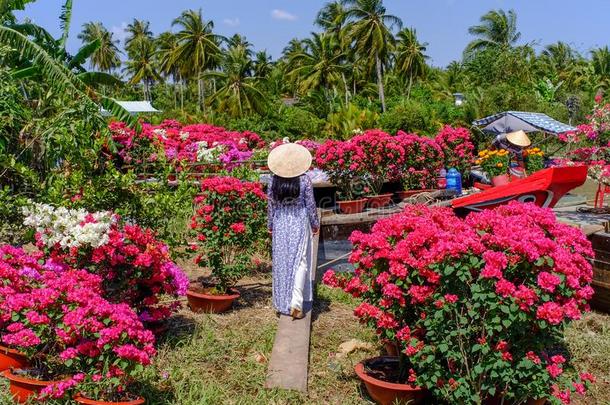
point(84, 52)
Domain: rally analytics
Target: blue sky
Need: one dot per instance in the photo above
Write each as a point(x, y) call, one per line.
point(270, 24)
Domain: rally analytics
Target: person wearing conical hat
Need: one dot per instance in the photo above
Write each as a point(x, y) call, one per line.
point(293, 219)
point(514, 142)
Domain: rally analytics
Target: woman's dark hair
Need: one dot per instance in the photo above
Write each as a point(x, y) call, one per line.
point(286, 190)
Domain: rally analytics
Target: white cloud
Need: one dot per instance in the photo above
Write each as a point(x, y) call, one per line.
point(119, 32)
point(282, 15)
point(231, 22)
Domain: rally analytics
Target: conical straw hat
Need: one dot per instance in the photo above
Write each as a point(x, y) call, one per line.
point(518, 138)
point(289, 160)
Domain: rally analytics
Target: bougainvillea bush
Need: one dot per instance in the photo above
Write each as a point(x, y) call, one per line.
point(343, 162)
point(69, 333)
point(477, 305)
point(229, 221)
point(135, 267)
point(422, 160)
point(183, 144)
point(458, 148)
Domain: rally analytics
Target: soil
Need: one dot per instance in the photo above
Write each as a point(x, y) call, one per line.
point(384, 370)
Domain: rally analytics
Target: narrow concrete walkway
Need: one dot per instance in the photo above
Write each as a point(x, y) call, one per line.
point(289, 364)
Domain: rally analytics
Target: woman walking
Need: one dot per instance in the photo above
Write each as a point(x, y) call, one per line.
point(293, 219)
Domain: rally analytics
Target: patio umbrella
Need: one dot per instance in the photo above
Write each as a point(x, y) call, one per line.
point(511, 121)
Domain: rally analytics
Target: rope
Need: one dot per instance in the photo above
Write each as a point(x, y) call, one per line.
point(598, 211)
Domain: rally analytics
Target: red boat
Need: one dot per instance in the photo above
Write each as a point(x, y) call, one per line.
point(544, 188)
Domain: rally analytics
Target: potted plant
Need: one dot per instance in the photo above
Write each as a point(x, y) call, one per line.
point(479, 305)
point(343, 163)
point(17, 271)
point(229, 220)
point(496, 164)
point(458, 148)
point(71, 335)
point(534, 160)
point(136, 267)
point(423, 159)
point(384, 154)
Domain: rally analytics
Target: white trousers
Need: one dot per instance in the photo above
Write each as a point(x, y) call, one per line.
point(302, 276)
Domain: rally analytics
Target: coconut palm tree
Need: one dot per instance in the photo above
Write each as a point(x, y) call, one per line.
point(498, 29)
point(138, 32)
point(600, 61)
point(262, 65)
point(198, 47)
point(169, 66)
point(410, 57)
point(320, 65)
point(106, 57)
point(371, 32)
point(142, 67)
point(238, 40)
point(332, 17)
point(239, 93)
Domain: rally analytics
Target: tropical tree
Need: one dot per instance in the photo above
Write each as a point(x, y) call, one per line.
point(320, 64)
point(142, 67)
point(106, 56)
point(371, 32)
point(138, 32)
point(600, 61)
point(238, 93)
point(168, 65)
point(198, 47)
point(332, 17)
point(498, 29)
point(262, 65)
point(238, 40)
point(410, 57)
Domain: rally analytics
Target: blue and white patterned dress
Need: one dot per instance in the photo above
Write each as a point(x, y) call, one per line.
point(292, 226)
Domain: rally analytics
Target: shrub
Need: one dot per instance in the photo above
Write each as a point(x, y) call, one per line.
point(229, 220)
point(423, 158)
point(408, 116)
point(135, 267)
point(457, 147)
point(65, 327)
point(343, 162)
point(478, 306)
point(534, 160)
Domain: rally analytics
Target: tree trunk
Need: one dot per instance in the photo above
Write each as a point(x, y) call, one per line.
point(346, 89)
point(409, 88)
point(201, 87)
point(181, 80)
point(380, 81)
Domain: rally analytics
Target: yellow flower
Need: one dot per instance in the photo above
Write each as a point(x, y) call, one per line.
point(482, 153)
point(499, 165)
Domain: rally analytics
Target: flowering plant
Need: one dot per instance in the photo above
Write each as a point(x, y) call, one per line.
point(597, 130)
point(457, 146)
point(65, 328)
point(534, 160)
point(135, 267)
point(343, 162)
point(494, 162)
point(422, 159)
point(229, 219)
point(478, 306)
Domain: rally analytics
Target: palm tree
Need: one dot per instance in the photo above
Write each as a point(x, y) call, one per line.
point(498, 29)
point(371, 33)
point(142, 67)
point(238, 40)
point(106, 57)
point(169, 66)
point(600, 61)
point(319, 65)
point(262, 65)
point(239, 93)
point(198, 47)
point(410, 57)
point(332, 17)
point(138, 32)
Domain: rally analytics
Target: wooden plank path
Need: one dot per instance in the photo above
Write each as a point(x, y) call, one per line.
point(289, 364)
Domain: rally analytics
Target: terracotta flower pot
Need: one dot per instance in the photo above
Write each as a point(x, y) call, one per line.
point(23, 388)
point(83, 400)
point(352, 207)
point(10, 358)
point(385, 393)
point(402, 195)
point(500, 180)
point(379, 201)
point(200, 302)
